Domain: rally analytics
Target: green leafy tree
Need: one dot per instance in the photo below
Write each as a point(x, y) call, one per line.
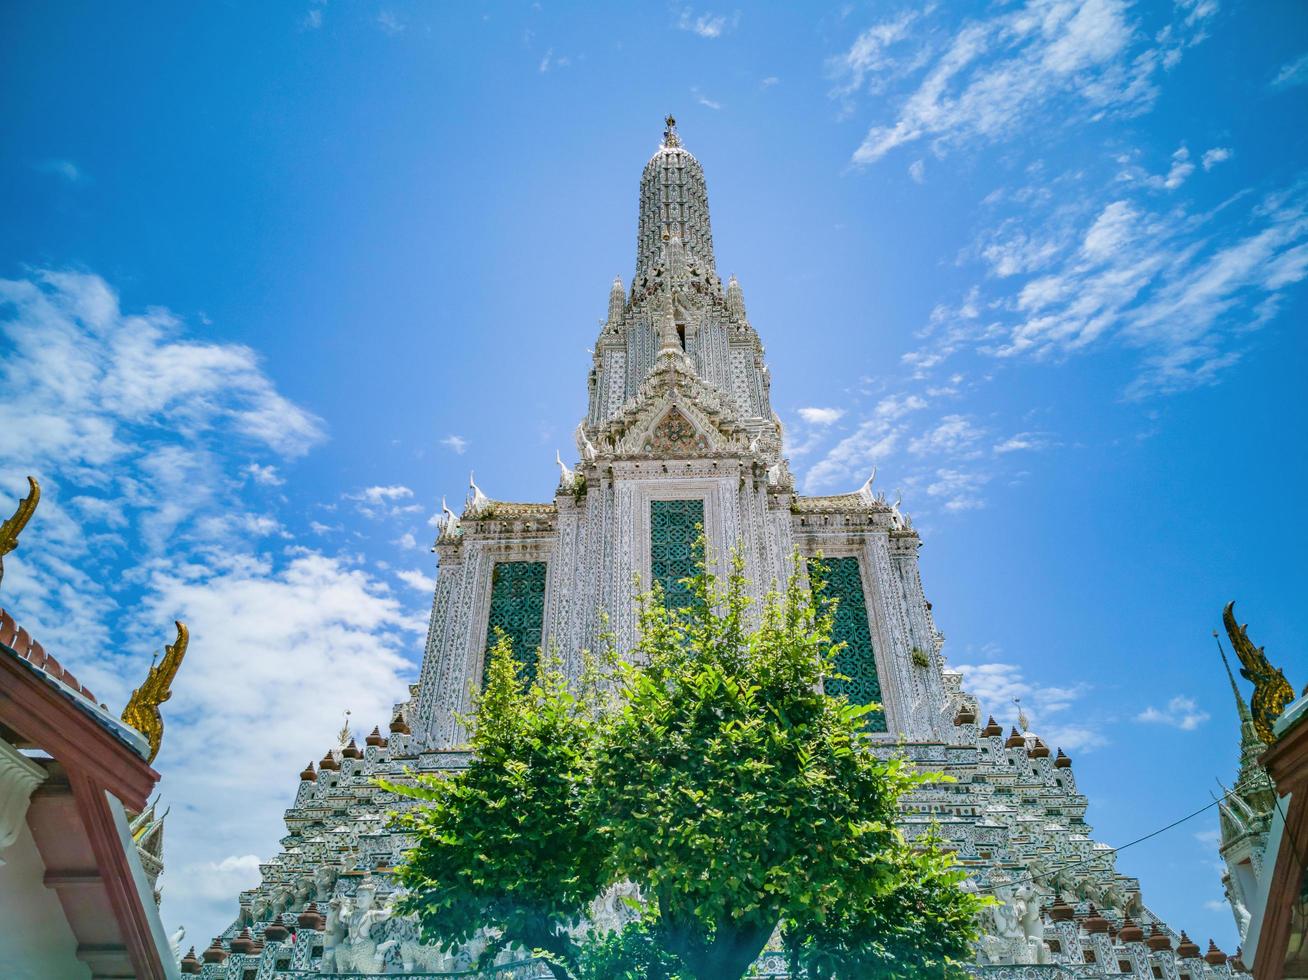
point(716, 776)
point(504, 845)
point(922, 927)
point(743, 801)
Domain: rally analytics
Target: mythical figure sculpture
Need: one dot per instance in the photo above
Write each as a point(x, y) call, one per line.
point(11, 528)
point(1272, 692)
point(142, 711)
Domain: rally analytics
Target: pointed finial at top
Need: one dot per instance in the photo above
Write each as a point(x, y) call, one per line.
point(1241, 706)
point(1022, 721)
point(477, 501)
point(670, 137)
point(865, 491)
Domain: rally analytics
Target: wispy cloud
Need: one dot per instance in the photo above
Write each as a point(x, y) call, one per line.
point(549, 61)
point(706, 25)
point(704, 100)
point(995, 685)
point(821, 416)
point(389, 22)
point(384, 501)
point(1181, 712)
point(266, 475)
point(1216, 155)
point(994, 76)
point(1173, 284)
point(456, 443)
point(416, 579)
point(1292, 73)
point(66, 169)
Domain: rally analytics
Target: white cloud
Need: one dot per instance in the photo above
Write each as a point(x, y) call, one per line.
point(769, 82)
point(1174, 286)
point(265, 475)
point(876, 436)
point(389, 22)
point(416, 579)
point(868, 58)
point(142, 438)
point(955, 435)
point(279, 650)
point(958, 489)
point(917, 170)
point(996, 76)
point(821, 416)
point(66, 169)
point(1176, 176)
point(1216, 155)
point(1292, 73)
point(313, 19)
point(550, 61)
point(1023, 442)
point(704, 100)
point(1181, 712)
point(457, 443)
point(407, 541)
point(384, 501)
point(706, 25)
point(996, 684)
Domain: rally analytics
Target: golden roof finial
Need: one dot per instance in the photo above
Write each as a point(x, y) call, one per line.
point(670, 137)
point(142, 711)
point(1272, 692)
point(13, 527)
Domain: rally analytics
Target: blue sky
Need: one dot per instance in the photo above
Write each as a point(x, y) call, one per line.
point(276, 276)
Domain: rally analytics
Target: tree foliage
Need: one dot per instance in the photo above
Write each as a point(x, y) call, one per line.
point(505, 844)
point(744, 803)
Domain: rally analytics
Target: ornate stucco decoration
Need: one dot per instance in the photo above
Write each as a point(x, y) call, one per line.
point(1272, 692)
point(19, 776)
point(13, 527)
point(142, 711)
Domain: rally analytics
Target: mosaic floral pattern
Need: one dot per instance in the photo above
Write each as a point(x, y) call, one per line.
point(856, 661)
point(674, 525)
point(518, 608)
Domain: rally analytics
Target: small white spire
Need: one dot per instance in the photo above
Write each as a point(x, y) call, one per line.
point(566, 476)
point(865, 490)
point(477, 501)
point(617, 300)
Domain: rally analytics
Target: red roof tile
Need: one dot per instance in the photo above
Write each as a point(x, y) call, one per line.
point(20, 641)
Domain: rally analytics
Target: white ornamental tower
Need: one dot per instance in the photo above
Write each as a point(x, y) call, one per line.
point(678, 434)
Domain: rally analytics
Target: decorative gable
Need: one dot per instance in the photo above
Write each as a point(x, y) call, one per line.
point(674, 435)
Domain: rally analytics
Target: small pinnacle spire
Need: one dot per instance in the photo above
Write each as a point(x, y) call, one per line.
point(670, 137)
point(617, 300)
point(1240, 704)
point(735, 298)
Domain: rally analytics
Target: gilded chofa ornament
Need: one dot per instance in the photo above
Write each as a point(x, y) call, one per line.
point(142, 711)
point(1272, 692)
point(13, 527)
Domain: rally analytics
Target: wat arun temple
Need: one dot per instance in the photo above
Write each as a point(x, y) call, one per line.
point(679, 432)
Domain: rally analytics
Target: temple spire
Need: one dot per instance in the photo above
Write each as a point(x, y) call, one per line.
point(673, 201)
